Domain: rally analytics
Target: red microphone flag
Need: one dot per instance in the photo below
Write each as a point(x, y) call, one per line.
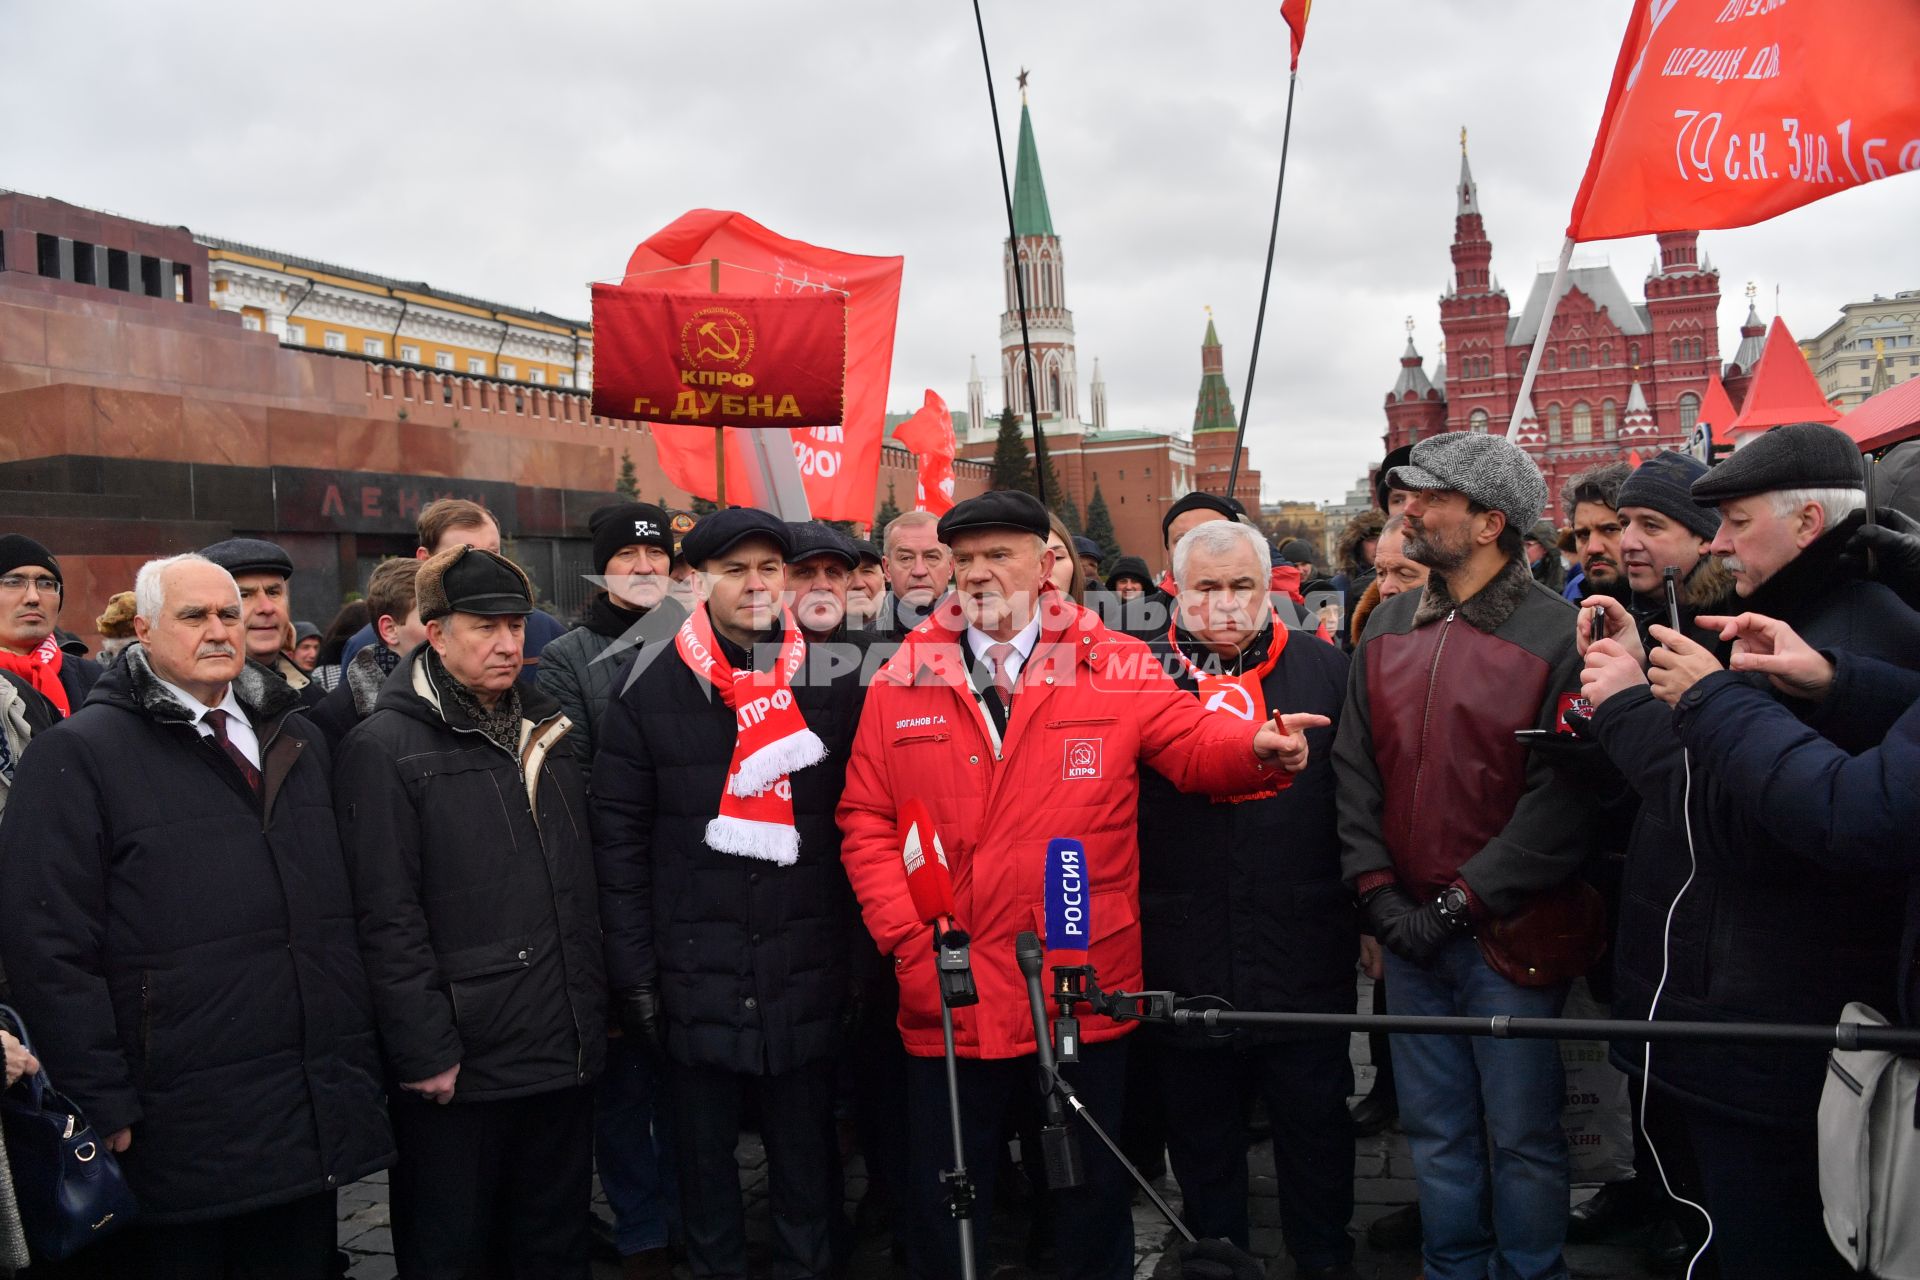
point(1724, 113)
point(929, 882)
point(929, 433)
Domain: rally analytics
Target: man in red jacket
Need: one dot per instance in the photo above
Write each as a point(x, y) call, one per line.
point(1017, 716)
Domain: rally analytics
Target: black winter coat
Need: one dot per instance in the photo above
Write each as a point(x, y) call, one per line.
point(751, 959)
point(1763, 934)
point(1846, 812)
point(78, 675)
point(1246, 900)
point(583, 669)
point(352, 700)
point(473, 876)
point(184, 953)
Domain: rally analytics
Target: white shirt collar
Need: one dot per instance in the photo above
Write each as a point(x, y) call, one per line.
point(228, 704)
point(1023, 643)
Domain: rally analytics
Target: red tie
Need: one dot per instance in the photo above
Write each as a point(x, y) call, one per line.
point(1001, 656)
point(217, 721)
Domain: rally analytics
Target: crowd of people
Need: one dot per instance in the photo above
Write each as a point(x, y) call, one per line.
point(461, 892)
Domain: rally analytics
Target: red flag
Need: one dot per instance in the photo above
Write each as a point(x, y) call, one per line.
point(929, 433)
point(1724, 113)
point(1295, 12)
point(840, 465)
point(719, 359)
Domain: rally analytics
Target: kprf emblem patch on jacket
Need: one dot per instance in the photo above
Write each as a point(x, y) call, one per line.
point(1083, 759)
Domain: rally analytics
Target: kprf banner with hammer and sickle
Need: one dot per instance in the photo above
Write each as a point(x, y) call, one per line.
point(718, 359)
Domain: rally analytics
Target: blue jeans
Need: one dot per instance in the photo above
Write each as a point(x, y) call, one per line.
point(1483, 1119)
point(630, 1146)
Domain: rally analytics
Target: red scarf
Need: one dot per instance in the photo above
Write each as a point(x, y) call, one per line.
point(1239, 696)
point(771, 741)
point(40, 668)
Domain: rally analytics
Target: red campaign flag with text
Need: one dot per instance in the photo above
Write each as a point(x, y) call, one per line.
point(1724, 113)
point(840, 465)
point(718, 359)
point(929, 433)
point(1295, 12)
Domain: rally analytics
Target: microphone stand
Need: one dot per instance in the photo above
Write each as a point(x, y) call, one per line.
point(1061, 1153)
point(955, 967)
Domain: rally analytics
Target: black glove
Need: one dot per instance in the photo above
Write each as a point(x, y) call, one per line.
point(1414, 931)
point(637, 1011)
point(1895, 544)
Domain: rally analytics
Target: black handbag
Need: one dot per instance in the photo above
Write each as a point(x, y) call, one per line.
point(69, 1187)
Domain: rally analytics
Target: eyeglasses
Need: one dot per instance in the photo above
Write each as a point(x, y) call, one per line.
point(19, 581)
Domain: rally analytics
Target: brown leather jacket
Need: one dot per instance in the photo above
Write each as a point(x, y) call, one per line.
point(1433, 787)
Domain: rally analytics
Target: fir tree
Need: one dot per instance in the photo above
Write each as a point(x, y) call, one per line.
point(704, 506)
point(628, 485)
point(1100, 529)
point(1012, 467)
point(887, 512)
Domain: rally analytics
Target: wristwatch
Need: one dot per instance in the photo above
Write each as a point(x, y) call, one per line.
point(1453, 907)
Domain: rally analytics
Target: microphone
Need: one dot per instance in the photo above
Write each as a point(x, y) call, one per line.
point(1069, 928)
point(930, 886)
point(1059, 1152)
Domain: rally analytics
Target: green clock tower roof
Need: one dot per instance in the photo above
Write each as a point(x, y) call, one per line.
point(1214, 412)
point(1030, 214)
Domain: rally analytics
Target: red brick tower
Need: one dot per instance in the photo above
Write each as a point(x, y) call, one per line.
point(1481, 376)
point(1415, 407)
point(1215, 429)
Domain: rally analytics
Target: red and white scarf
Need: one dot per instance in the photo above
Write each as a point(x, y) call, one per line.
point(771, 741)
point(1240, 696)
point(40, 667)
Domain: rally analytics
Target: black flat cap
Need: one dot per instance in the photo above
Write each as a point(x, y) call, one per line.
point(716, 534)
point(1801, 455)
point(1085, 546)
point(1395, 458)
point(250, 555)
point(465, 579)
point(869, 554)
point(1130, 567)
point(1197, 501)
point(998, 509)
point(810, 538)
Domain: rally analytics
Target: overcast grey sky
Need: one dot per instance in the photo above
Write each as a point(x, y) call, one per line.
point(518, 151)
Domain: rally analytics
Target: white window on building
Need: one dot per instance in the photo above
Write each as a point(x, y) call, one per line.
point(443, 360)
point(1477, 421)
point(296, 335)
point(250, 321)
point(566, 379)
point(410, 354)
point(537, 376)
point(476, 364)
point(1582, 421)
point(373, 346)
point(1689, 406)
point(506, 369)
point(335, 341)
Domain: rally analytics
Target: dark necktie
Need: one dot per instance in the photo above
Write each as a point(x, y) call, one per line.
point(1001, 657)
point(217, 721)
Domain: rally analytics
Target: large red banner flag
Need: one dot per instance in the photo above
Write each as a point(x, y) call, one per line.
point(1724, 113)
point(1295, 12)
point(929, 433)
point(839, 464)
point(719, 359)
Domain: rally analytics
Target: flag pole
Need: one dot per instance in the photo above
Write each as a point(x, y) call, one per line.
point(1266, 282)
point(1019, 282)
point(1554, 291)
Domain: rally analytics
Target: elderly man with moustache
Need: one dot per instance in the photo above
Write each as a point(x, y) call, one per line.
point(264, 572)
point(177, 925)
point(462, 803)
point(1018, 716)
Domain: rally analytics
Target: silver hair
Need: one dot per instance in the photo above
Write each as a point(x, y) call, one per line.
point(1219, 537)
point(1395, 523)
point(1835, 504)
point(905, 520)
point(150, 588)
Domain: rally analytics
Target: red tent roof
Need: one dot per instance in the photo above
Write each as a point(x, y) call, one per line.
point(1888, 418)
point(1783, 389)
point(1717, 410)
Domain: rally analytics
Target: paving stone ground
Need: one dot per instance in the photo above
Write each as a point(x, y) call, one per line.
point(1383, 1182)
